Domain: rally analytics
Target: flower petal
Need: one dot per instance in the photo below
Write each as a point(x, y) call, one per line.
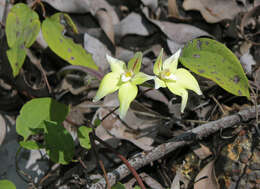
point(127, 93)
point(177, 89)
point(157, 68)
point(116, 65)
point(135, 63)
point(109, 84)
point(158, 83)
point(186, 80)
point(140, 78)
point(171, 63)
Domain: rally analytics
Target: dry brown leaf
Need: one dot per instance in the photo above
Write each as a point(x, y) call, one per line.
point(98, 51)
point(106, 23)
point(214, 11)
point(83, 6)
point(178, 33)
point(133, 24)
point(153, 4)
point(176, 182)
point(2, 129)
point(173, 46)
point(257, 78)
point(173, 8)
point(155, 95)
point(202, 152)
point(123, 54)
point(153, 184)
point(178, 179)
point(112, 127)
point(207, 178)
point(248, 18)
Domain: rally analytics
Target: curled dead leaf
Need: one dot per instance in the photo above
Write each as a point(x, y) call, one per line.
point(2, 129)
point(202, 152)
point(207, 177)
point(254, 13)
point(214, 11)
point(106, 23)
point(133, 129)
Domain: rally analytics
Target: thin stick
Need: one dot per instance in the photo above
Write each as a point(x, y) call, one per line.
point(93, 144)
point(37, 63)
point(124, 160)
point(219, 105)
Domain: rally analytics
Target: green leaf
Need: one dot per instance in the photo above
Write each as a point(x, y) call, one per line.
point(22, 28)
point(30, 145)
point(118, 186)
point(58, 143)
point(83, 135)
point(6, 184)
point(137, 187)
point(213, 60)
point(53, 33)
point(33, 113)
point(16, 56)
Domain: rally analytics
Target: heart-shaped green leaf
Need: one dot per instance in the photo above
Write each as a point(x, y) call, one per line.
point(59, 143)
point(83, 135)
point(213, 60)
point(22, 28)
point(33, 113)
point(53, 30)
point(6, 184)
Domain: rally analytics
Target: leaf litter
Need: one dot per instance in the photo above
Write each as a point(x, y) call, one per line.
point(148, 25)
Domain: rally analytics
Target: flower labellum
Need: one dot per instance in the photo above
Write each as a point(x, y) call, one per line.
point(124, 79)
point(176, 80)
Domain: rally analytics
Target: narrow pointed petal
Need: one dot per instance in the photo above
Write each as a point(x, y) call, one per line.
point(157, 68)
point(116, 65)
point(135, 63)
point(140, 78)
point(126, 94)
point(109, 84)
point(171, 63)
point(187, 81)
point(159, 83)
point(180, 91)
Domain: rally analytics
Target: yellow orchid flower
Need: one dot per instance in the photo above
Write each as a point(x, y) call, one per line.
point(177, 80)
point(124, 79)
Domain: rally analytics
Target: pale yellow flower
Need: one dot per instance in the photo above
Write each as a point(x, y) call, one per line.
point(176, 80)
point(124, 79)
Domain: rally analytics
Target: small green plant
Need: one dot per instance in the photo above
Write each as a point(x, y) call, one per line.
point(23, 26)
point(44, 116)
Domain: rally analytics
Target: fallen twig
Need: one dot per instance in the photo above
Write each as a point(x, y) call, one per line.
point(205, 130)
point(124, 160)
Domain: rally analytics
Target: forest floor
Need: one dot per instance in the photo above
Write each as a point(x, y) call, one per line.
point(213, 144)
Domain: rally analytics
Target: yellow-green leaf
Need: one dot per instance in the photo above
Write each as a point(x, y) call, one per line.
point(6, 184)
point(83, 135)
point(213, 60)
point(53, 29)
point(22, 28)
